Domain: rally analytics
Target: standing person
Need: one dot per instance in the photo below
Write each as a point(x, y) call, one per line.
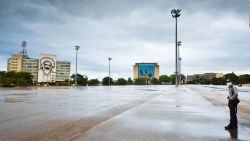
point(232, 104)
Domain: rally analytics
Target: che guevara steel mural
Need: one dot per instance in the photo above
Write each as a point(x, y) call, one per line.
point(47, 68)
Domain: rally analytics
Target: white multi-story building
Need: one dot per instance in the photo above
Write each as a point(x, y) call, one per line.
point(31, 65)
point(204, 76)
point(193, 77)
point(62, 70)
point(213, 75)
point(44, 69)
point(14, 63)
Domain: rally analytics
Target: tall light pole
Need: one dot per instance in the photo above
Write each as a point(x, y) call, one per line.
point(76, 48)
point(109, 70)
point(179, 62)
point(180, 70)
point(175, 14)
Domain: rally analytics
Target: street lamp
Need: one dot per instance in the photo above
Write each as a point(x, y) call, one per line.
point(179, 62)
point(180, 70)
point(178, 48)
point(175, 14)
point(109, 70)
point(76, 48)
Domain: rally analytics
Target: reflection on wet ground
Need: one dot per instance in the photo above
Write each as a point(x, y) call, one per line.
point(224, 88)
point(13, 100)
point(233, 133)
point(2, 99)
point(126, 113)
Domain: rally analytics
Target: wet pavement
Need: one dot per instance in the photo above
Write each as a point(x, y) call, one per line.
point(129, 113)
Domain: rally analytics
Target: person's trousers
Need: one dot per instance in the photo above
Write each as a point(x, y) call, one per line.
point(233, 116)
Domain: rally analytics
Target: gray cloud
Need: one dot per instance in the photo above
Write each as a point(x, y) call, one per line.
point(214, 34)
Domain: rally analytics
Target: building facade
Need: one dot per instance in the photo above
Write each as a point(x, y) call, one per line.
point(208, 76)
point(15, 62)
point(213, 75)
point(193, 77)
point(62, 70)
point(146, 70)
point(31, 65)
point(44, 69)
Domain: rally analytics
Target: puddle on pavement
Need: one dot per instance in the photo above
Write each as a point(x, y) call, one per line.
point(12, 100)
point(2, 100)
point(150, 90)
point(243, 90)
point(20, 94)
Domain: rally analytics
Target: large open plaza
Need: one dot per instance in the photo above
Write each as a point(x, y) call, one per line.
point(124, 70)
point(121, 113)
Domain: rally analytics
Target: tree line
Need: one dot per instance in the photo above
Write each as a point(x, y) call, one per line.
point(12, 78)
point(229, 77)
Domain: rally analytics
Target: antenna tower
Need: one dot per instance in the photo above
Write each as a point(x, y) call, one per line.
point(24, 50)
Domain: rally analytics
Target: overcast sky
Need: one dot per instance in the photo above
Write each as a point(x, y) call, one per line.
point(215, 34)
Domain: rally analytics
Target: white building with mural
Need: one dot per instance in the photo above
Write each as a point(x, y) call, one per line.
point(44, 69)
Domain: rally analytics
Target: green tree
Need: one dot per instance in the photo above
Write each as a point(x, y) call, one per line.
point(105, 81)
point(183, 77)
point(22, 82)
point(231, 77)
point(82, 80)
point(2, 73)
point(122, 81)
point(140, 81)
point(218, 81)
point(6, 82)
point(13, 78)
point(63, 83)
point(244, 79)
point(9, 79)
point(130, 81)
point(154, 81)
point(164, 79)
point(11, 74)
point(66, 82)
point(93, 82)
point(172, 78)
point(24, 79)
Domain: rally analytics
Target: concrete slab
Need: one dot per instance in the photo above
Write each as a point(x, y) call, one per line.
point(161, 119)
point(137, 113)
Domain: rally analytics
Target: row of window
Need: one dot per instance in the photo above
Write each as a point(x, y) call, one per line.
point(34, 61)
point(63, 66)
point(60, 68)
point(30, 64)
point(59, 62)
point(35, 67)
point(62, 71)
